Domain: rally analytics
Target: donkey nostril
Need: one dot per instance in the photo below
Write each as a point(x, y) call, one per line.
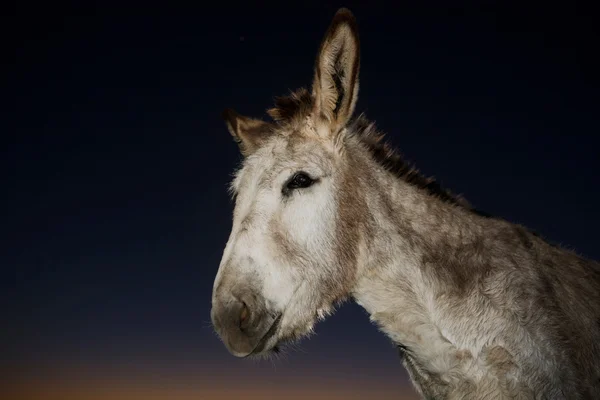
point(243, 314)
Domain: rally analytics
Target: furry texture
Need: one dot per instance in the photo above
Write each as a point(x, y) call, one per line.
point(480, 308)
point(293, 109)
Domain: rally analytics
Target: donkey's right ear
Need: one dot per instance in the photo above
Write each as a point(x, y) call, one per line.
point(248, 133)
point(335, 85)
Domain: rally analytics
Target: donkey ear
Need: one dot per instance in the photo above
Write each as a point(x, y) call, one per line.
point(335, 86)
point(247, 132)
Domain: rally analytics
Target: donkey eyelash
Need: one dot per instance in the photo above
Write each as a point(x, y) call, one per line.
point(300, 180)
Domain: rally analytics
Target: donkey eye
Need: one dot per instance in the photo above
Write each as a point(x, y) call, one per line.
point(299, 181)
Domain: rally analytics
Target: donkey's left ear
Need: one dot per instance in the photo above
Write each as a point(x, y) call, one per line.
point(248, 133)
point(335, 86)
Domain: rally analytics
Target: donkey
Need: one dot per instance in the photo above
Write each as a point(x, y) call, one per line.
point(325, 210)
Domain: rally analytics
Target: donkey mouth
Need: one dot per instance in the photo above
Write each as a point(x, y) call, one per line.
point(260, 347)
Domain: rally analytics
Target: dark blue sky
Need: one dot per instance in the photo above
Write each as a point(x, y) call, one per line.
point(115, 159)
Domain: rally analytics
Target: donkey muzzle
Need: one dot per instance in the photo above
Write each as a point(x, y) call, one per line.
point(243, 322)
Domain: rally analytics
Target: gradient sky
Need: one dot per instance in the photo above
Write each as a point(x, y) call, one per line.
point(115, 167)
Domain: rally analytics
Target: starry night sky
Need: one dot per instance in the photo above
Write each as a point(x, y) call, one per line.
point(115, 164)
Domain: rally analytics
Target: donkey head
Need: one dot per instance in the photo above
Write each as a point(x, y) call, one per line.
point(292, 249)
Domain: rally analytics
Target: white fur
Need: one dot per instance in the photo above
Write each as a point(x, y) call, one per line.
point(307, 217)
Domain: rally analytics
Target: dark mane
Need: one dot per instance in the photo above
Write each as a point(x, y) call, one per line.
point(393, 161)
point(292, 109)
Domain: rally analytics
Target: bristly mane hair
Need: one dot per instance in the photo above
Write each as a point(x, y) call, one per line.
point(292, 109)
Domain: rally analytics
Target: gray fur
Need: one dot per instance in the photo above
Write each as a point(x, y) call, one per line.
point(479, 307)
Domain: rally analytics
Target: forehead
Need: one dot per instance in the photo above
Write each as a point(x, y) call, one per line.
point(285, 153)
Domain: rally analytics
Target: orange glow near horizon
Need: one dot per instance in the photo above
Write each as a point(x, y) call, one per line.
point(139, 381)
point(98, 389)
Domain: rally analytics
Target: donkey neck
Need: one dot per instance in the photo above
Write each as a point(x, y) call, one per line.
point(408, 232)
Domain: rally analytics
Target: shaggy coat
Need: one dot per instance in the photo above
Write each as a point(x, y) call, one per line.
point(480, 308)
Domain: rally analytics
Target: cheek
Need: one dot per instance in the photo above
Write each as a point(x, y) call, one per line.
point(279, 285)
point(309, 220)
